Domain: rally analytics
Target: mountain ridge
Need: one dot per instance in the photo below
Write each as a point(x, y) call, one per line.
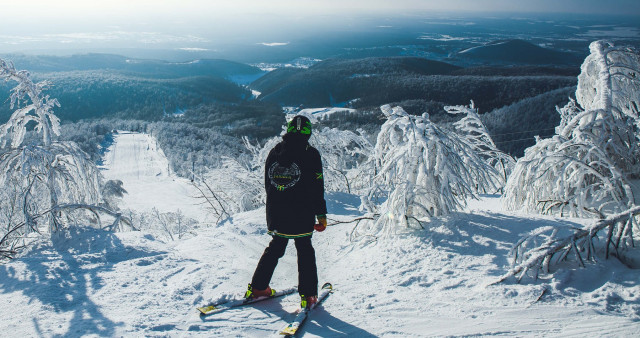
point(149, 67)
point(520, 52)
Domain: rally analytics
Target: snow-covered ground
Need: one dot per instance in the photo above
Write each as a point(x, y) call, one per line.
point(136, 160)
point(318, 113)
point(434, 282)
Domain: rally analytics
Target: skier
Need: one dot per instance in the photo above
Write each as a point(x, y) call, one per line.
point(295, 198)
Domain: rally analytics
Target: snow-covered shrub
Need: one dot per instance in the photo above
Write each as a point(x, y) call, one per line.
point(39, 111)
point(568, 178)
point(425, 170)
point(471, 128)
point(168, 226)
point(45, 186)
point(345, 154)
point(585, 169)
point(112, 191)
point(544, 247)
point(171, 225)
point(233, 187)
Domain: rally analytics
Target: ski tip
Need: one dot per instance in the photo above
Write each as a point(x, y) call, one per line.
point(206, 310)
point(289, 331)
point(327, 286)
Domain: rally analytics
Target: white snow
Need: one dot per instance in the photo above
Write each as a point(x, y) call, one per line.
point(432, 282)
point(441, 37)
point(273, 44)
point(301, 62)
point(321, 113)
point(136, 160)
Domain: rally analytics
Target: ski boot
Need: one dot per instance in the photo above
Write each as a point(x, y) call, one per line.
point(255, 293)
point(308, 302)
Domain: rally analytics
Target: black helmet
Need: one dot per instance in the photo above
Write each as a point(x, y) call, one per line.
point(299, 124)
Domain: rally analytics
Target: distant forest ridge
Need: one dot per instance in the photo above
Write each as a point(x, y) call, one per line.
point(103, 85)
point(371, 82)
point(520, 52)
point(104, 93)
point(130, 66)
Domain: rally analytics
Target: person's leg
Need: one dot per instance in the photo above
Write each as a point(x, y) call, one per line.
point(307, 271)
point(268, 261)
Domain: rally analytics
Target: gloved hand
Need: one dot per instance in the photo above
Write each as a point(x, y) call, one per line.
point(322, 223)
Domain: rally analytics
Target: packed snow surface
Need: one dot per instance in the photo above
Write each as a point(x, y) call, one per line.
point(144, 170)
point(431, 282)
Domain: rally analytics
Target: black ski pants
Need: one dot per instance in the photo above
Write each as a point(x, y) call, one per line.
point(307, 271)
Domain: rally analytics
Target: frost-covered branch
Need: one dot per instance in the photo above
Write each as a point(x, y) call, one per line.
point(474, 132)
point(580, 244)
point(39, 111)
point(345, 155)
point(211, 197)
point(95, 209)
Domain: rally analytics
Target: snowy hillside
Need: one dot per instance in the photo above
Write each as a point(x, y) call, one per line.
point(435, 282)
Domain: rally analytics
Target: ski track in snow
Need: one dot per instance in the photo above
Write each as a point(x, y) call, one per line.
point(87, 282)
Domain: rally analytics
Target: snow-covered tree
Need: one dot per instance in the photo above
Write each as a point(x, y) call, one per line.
point(425, 170)
point(584, 170)
point(344, 154)
point(45, 186)
point(568, 178)
point(232, 187)
point(609, 80)
point(471, 128)
point(39, 110)
point(609, 93)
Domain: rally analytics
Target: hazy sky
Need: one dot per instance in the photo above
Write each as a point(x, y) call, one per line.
point(83, 13)
point(101, 8)
point(59, 22)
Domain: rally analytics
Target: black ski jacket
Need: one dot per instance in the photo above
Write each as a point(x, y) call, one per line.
point(295, 186)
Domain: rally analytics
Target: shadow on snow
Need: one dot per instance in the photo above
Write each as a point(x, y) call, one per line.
point(486, 233)
point(64, 273)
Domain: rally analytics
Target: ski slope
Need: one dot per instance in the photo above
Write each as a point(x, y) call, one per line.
point(136, 160)
point(434, 282)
